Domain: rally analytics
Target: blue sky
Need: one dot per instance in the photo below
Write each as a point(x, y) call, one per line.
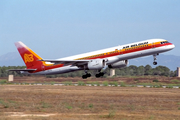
point(59, 28)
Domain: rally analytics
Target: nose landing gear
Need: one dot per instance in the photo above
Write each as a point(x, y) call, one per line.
point(155, 63)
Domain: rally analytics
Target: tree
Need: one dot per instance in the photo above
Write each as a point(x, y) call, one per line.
point(162, 71)
point(147, 70)
point(127, 71)
point(140, 70)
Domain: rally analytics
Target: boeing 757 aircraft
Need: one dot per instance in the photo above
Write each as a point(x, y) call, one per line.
point(114, 57)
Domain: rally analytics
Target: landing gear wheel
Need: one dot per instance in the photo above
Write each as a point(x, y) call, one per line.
point(99, 74)
point(86, 76)
point(154, 63)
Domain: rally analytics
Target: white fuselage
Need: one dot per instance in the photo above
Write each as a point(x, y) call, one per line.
point(151, 50)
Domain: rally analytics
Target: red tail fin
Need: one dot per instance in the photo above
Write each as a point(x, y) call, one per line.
point(31, 59)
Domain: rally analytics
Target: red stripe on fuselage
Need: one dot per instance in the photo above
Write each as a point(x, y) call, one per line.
point(128, 50)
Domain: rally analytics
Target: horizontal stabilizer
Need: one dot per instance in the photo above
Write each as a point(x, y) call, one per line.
point(28, 70)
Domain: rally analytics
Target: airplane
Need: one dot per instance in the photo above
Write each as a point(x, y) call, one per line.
point(114, 57)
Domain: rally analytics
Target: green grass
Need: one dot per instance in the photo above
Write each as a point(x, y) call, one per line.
point(91, 106)
point(111, 114)
point(151, 117)
point(158, 85)
point(45, 105)
point(122, 84)
point(97, 83)
point(175, 81)
point(52, 82)
point(6, 105)
point(68, 106)
point(81, 83)
point(169, 86)
point(114, 83)
point(3, 81)
point(137, 80)
point(11, 101)
point(66, 83)
point(155, 80)
point(93, 83)
point(105, 83)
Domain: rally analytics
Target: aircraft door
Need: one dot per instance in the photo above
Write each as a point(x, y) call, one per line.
point(121, 52)
point(153, 45)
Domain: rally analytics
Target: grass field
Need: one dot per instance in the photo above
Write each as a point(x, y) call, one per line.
point(47, 102)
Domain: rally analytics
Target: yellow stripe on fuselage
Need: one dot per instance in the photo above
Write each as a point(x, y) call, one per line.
point(120, 51)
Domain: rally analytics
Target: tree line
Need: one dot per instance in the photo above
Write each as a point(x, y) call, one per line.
point(131, 70)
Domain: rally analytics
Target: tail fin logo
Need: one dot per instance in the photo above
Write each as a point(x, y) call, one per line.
point(28, 58)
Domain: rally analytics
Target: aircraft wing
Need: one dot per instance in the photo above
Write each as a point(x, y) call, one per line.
point(67, 62)
point(28, 70)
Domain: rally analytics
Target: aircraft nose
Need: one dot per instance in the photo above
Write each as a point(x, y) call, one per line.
point(172, 46)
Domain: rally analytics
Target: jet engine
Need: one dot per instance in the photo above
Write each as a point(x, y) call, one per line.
point(119, 64)
point(95, 64)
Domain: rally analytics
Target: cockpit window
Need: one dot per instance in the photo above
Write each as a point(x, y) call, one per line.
point(164, 42)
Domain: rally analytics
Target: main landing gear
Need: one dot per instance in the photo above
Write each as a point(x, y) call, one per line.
point(155, 63)
point(86, 75)
point(100, 74)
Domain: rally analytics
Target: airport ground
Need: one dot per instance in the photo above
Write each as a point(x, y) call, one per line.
point(131, 80)
point(49, 102)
